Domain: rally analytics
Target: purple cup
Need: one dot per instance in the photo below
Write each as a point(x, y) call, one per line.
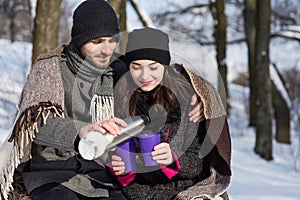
point(127, 151)
point(147, 144)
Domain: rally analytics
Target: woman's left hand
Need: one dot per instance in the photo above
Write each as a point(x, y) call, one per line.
point(118, 166)
point(197, 114)
point(162, 154)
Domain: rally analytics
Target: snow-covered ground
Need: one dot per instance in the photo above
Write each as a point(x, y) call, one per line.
point(14, 63)
point(253, 178)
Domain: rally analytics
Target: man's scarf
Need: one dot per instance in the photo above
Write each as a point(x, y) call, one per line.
point(100, 80)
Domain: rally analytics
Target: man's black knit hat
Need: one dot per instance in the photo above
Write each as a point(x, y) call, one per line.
point(148, 43)
point(93, 19)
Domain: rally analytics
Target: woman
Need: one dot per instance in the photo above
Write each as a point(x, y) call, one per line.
point(188, 161)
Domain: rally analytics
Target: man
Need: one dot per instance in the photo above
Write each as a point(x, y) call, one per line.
point(68, 93)
point(72, 90)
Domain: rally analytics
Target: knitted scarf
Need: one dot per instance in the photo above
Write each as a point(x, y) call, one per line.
point(100, 80)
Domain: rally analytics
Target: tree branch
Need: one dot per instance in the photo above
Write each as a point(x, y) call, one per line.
point(285, 18)
point(287, 35)
point(142, 17)
point(283, 34)
point(185, 10)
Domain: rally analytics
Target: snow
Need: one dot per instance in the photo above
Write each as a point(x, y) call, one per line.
point(14, 62)
point(253, 177)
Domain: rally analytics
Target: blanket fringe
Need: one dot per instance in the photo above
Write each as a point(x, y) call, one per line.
point(27, 125)
point(22, 136)
point(7, 172)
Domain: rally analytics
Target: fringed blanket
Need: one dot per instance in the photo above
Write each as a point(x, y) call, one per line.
point(217, 145)
point(42, 96)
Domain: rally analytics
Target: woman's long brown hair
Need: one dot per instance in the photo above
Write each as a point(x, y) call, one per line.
point(174, 88)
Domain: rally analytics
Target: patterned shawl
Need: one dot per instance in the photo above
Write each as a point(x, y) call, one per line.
point(217, 144)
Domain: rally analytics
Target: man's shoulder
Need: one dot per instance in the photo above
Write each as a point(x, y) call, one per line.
point(119, 59)
point(118, 63)
point(55, 53)
point(118, 66)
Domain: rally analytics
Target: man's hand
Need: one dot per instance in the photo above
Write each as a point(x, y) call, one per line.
point(197, 114)
point(111, 126)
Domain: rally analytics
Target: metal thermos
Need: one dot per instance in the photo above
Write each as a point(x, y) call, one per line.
point(135, 126)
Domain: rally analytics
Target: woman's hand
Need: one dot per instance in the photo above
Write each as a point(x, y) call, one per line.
point(162, 154)
point(118, 165)
point(197, 114)
point(111, 126)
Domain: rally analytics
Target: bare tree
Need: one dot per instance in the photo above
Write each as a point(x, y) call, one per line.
point(16, 20)
point(46, 27)
point(144, 19)
point(220, 22)
point(120, 8)
point(281, 109)
point(250, 28)
point(281, 115)
point(263, 144)
point(194, 20)
point(65, 22)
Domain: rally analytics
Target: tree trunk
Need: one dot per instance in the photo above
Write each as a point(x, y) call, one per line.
point(250, 27)
point(263, 146)
point(46, 27)
point(282, 116)
point(120, 8)
point(12, 28)
point(220, 38)
point(10, 7)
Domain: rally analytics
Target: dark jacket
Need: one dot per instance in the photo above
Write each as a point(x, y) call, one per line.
point(206, 157)
point(185, 140)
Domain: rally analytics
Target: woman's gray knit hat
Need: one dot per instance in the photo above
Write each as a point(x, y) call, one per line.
point(148, 43)
point(93, 19)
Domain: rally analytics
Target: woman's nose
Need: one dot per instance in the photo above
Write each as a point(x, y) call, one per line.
point(145, 73)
